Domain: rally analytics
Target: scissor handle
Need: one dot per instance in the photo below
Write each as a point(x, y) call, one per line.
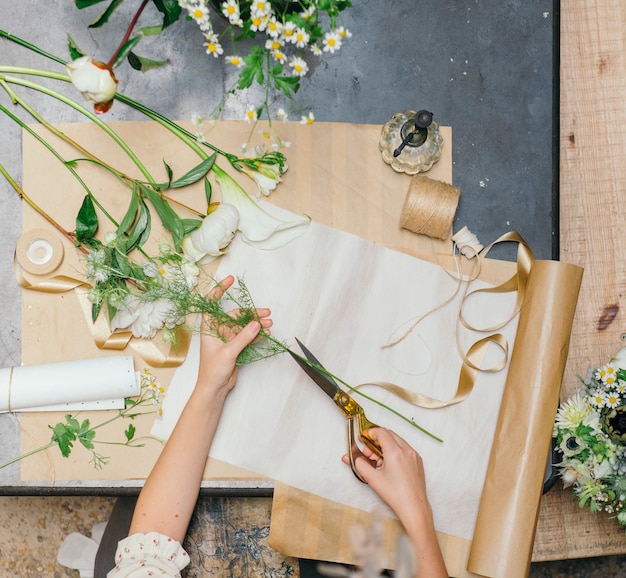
point(360, 421)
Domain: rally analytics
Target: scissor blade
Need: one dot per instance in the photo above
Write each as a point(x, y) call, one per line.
point(325, 382)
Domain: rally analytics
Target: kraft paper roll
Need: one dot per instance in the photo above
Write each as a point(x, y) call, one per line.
point(429, 207)
point(51, 384)
point(39, 251)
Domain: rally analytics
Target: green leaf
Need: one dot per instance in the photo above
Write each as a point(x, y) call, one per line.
point(125, 50)
point(195, 174)
point(86, 435)
point(73, 48)
point(190, 225)
point(208, 191)
point(170, 173)
point(80, 4)
point(143, 64)
point(170, 9)
point(130, 432)
point(104, 17)
point(171, 221)
point(150, 30)
point(86, 220)
point(287, 84)
point(64, 434)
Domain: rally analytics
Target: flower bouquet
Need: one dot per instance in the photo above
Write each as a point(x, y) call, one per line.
point(590, 433)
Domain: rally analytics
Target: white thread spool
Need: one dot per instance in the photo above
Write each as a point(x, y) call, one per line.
point(39, 252)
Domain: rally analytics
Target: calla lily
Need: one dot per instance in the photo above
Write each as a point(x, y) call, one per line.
point(266, 177)
point(94, 80)
point(214, 235)
point(257, 226)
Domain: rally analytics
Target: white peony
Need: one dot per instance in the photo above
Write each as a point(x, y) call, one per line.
point(214, 235)
point(94, 80)
point(144, 318)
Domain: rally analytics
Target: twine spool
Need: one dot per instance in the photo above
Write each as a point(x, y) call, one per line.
point(429, 207)
point(39, 252)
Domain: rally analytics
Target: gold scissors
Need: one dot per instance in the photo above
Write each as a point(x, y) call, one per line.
point(351, 409)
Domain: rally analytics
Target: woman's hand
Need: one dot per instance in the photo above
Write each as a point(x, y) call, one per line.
point(218, 355)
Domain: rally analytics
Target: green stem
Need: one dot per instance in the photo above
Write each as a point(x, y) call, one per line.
point(36, 207)
point(26, 44)
point(357, 391)
point(27, 454)
point(65, 163)
point(83, 111)
point(129, 30)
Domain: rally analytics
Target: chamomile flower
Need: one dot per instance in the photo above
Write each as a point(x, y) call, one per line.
point(621, 386)
point(213, 46)
point(289, 31)
point(310, 119)
point(251, 114)
point(230, 9)
point(235, 60)
point(332, 42)
point(612, 400)
point(344, 32)
point(315, 49)
point(258, 23)
point(279, 56)
point(274, 27)
point(298, 66)
point(597, 399)
point(273, 44)
point(301, 37)
point(199, 12)
point(261, 8)
point(282, 115)
point(306, 14)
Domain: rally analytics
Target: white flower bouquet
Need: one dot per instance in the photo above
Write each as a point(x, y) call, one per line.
point(590, 433)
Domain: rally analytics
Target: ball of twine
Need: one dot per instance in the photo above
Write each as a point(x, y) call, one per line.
point(429, 207)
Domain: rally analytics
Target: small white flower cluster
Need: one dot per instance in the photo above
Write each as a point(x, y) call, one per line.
point(282, 34)
point(590, 433)
point(154, 389)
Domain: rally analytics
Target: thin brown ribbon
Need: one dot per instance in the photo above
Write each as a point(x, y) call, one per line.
point(473, 357)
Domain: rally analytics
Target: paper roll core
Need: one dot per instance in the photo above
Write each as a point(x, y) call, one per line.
point(39, 252)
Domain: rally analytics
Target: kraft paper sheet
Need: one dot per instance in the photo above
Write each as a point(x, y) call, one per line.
point(336, 176)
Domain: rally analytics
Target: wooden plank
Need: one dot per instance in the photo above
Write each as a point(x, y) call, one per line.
point(592, 219)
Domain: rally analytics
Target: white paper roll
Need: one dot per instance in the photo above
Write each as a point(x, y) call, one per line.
point(68, 382)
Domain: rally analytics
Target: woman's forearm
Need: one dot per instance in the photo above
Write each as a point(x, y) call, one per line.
point(169, 495)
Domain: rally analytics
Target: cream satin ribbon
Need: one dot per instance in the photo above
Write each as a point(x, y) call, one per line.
point(473, 357)
point(102, 336)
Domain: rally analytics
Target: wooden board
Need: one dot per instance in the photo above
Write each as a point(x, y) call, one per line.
point(592, 218)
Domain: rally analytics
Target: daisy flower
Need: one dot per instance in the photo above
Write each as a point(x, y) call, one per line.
point(289, 30)
point(259, 23)
point(597, 398)
point(344, 32)
point(212, 45)
point(298, 66)
point(261, 8)
point(315, 49)
point(332, 42)
point(274, 27)
point(251, 114)
point(235, 60)
point(612, 400)
point(301, 37)
point(282, 115)
point(273, 44)
point(199, 12)
point(306, 14)
point(230, 9)
point(307, 119)
point(278, 55)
